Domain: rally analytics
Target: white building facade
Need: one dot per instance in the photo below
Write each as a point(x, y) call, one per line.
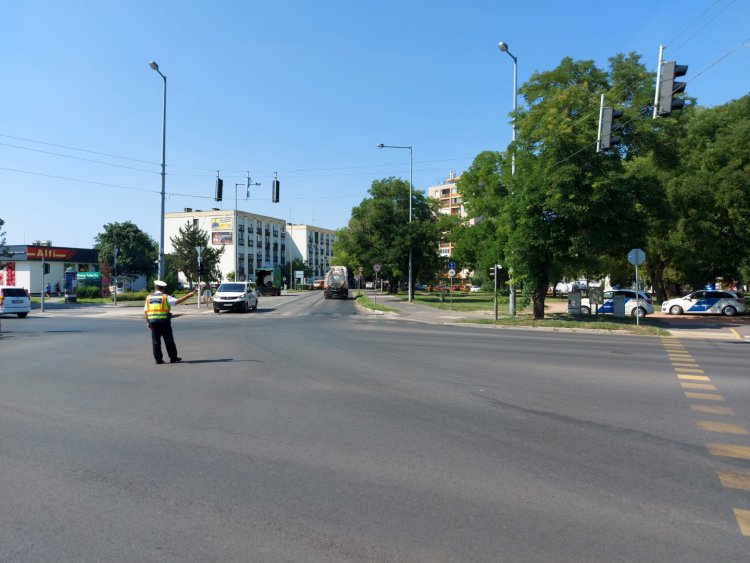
point(312, 245)
point(250, 241)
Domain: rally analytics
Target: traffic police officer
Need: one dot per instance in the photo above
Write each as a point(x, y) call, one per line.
point(158, 310)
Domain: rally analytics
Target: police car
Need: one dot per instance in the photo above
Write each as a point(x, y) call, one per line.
point(706, 302)
point(638, 305)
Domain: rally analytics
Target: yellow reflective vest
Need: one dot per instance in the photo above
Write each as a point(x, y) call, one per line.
point(157, 308)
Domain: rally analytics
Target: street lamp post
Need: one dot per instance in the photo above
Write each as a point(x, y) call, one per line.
point(155, 66)
point(504, 48)
point(236, 227)
point(411, 186)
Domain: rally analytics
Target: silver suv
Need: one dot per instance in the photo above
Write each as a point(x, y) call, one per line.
point(14, 301)
point(236, 296)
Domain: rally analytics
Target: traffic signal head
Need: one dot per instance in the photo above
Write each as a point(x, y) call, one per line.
point(275, 191)
point(219, 189)
point(46, 267)
point(609, 127)
point(668, 87)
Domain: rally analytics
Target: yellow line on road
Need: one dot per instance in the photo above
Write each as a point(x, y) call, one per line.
point(734, 479)
point(704, 396)
point(691, 370)
point(704, 386)
point(693, 377)
point(712, 409)
point(743, 520)
point(728, 450)
point(724, 427)
point(679, 355)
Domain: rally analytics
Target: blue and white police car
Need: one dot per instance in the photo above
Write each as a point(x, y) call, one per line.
point(636, 305)
point(706, 302)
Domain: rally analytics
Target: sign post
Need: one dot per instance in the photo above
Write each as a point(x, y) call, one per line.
point(199, 250)
point(451, 273)
point(376, 268)
point(636, 257)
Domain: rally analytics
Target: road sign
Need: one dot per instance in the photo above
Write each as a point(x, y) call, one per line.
point(376, 267)
point(451, 272)
point(452, 265)
point(636, 256)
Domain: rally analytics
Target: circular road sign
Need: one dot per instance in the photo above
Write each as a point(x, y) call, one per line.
point(376, 267)
point(636, 256)
point(451, 272)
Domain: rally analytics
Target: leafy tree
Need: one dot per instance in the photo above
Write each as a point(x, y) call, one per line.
point(137, 254)
point(186, 257)
point(4, 252)
point(299, 265)
point(571, 208)
point(379, 232)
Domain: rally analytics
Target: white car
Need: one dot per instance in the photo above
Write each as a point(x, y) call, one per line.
point(236, 296)
point(475, 289)
point(14, 301)
point(639, 306)
point(706, 302)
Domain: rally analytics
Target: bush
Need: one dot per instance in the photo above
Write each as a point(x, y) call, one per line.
point(88, 291)
point(133, 296)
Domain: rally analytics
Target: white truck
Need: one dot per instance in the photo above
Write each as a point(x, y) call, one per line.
point(336, 283)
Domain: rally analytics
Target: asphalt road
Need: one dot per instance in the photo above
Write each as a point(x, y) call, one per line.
point(309, 431)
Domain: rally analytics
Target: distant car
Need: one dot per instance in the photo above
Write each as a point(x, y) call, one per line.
point(318, 284)
point(420, 287)
point(706, 302)
point(635, 306)
point(14, 301)
point(369, 285)
point(475, 289)
point(236, 296)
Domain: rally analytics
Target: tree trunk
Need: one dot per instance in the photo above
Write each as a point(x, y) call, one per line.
point(538, 296)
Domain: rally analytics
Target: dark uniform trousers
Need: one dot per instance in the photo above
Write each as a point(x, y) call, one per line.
point(159, 330)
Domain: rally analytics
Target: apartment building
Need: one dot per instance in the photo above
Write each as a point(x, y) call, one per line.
point(450, 204)
point(251, 241)
point(312, 245)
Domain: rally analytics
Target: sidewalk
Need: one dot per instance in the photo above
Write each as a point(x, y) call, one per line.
point(684, 326)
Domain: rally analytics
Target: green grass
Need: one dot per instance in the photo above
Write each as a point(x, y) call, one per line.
point(460, 301)
point(566, 321)
point(374, 305)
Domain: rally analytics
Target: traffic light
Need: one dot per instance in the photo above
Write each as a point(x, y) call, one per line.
point(668, 88)
point(608, 127)
point(275, 191)
point(219, 189)
point(46, 268)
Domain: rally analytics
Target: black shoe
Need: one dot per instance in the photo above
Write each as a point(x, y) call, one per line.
point(159, 361)
point(175, 360)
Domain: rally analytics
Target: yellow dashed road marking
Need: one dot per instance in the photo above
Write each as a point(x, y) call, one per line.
point(704, 386)
point(689, 370)
point(724, 427)
point(704, 396)
point(712, 409)
point(743, 520)
point(693, 377)
point(734, 479)
point(729, 450)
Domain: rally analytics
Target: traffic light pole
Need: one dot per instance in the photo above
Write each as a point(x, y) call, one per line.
point(658, 82)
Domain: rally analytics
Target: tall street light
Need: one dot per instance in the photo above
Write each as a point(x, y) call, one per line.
point(504, 49)
point(411, 184)
point(155, 66)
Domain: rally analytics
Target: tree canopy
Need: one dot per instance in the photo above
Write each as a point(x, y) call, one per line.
point(137, 251)
point(185, 256)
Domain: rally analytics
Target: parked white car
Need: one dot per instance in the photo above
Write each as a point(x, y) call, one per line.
point(236, 296)
point(636, 306)
point(706, 302)
point(14, 301)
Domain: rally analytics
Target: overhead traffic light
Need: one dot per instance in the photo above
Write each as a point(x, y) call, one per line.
point(608, 127)
point(275, 191)
point(219, 189)
point(668, 88)
point(46, 267)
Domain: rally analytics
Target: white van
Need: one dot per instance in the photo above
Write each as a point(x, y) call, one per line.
point(14, 301)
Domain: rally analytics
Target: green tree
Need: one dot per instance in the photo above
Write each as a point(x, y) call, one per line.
point(379, 232)
point(4, 252)
point(137, 254)
point(570, 208)
point(186, 257)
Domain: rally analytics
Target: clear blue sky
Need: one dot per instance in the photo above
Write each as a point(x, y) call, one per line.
point(304, 88)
